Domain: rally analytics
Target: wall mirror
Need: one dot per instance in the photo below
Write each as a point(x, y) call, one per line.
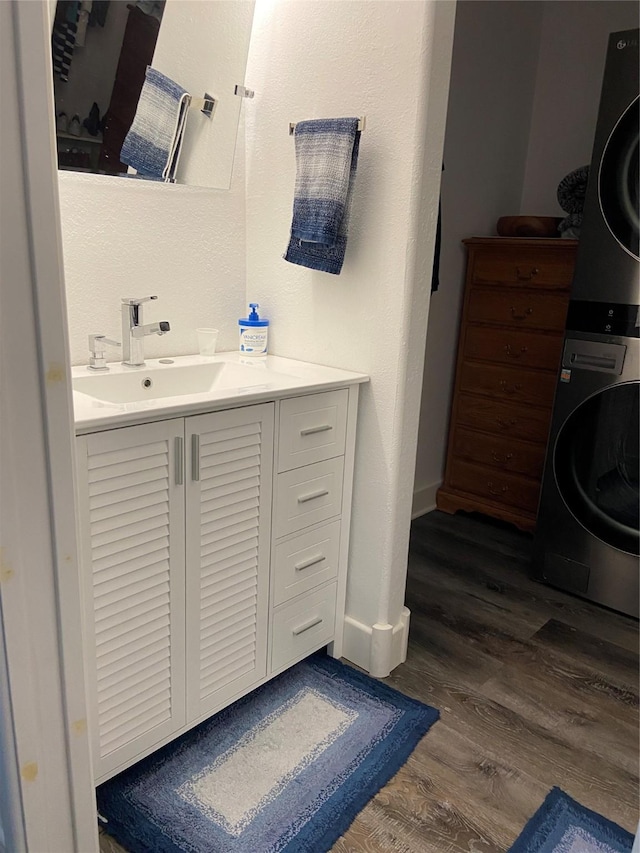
point(100, 52)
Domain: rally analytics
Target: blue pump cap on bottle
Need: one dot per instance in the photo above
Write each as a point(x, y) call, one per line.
point(253, 319)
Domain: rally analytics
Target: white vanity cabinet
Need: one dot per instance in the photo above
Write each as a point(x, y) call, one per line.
point(131, 515)
point(214, 550)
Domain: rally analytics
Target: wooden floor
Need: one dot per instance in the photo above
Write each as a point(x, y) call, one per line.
point(536, 688)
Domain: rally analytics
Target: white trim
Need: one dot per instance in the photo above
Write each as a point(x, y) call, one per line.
point(424, 500)
point(40, 596)
point(377, 648)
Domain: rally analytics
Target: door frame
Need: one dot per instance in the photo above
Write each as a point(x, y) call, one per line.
point(51, 804)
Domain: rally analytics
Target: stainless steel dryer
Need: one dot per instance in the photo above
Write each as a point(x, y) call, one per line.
point(587, 539)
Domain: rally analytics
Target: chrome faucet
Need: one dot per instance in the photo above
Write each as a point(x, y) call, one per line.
point(133, 332)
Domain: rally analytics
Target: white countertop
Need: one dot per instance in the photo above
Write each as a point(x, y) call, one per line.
point(268, 378)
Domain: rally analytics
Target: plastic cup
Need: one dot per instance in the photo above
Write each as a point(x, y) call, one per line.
point(207, 340)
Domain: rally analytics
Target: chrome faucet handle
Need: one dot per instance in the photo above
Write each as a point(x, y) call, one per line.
point(136, 300)
point(98, 350)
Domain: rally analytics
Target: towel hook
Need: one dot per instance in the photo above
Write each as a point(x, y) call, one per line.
point(206, 105)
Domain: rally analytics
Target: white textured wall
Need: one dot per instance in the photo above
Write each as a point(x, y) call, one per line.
point(491, 95)
point(325, 59)
point(134, 238)
point(569, 79)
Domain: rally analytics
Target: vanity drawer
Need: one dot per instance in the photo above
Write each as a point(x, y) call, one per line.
point(308, 495)
point(303, 625)
point(303, 563)
point(312, 429)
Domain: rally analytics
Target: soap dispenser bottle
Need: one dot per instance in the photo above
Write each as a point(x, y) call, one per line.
point(254, 333)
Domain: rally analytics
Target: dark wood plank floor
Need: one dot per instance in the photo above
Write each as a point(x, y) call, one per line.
point(536, 688)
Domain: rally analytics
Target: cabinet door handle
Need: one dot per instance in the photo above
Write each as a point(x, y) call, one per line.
point(313, 430)
point(526, 276)
point(505, 423)
point(497, 458)
point(312, 561)
point(319, 494)
point(179, 460)
point(306, 626)
point(195, 457)
point(496, 492)
point(517, 315)
point(512, 354)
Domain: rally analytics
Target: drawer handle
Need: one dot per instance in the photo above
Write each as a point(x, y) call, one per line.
point(512, 354)
point(521, 316)
point(312, 561)
point(505, 423)
point(319, 494)
point(497, 458)
point(496, 492)
point(510, 389)
point(315, 429)
point(526, 276)
point(307, 626)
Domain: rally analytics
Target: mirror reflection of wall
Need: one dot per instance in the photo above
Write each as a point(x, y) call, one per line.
point(100, 52)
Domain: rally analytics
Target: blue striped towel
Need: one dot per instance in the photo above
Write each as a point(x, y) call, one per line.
point(326, 160)
point(152, 146)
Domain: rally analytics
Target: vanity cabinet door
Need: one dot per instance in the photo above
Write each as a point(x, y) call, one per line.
point(228, 500)
point(131, 503)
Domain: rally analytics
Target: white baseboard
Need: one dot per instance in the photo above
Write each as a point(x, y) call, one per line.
point(376, 648)
point(424, 500)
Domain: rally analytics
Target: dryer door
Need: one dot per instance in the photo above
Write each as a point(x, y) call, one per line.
point(596, 463)
point(618, 181)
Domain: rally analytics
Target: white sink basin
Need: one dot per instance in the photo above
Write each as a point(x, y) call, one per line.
point(157, 380)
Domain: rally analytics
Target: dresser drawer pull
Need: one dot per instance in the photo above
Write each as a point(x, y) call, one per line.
point(496, 492)
point(312, 561)
point(521, 316)
point(319, 494)
point(307, 626)
point(497, 458)
point(510, 389)
point(526, 276)
point(512, 354)
point(315, 429)
point(505, 423)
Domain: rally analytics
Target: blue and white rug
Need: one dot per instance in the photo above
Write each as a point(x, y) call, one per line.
point(284, 770)
point(561, 825)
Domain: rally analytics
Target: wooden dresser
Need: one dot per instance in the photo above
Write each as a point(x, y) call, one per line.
point(511, 333)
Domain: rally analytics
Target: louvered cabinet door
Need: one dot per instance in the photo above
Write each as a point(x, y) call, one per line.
point(229, 481)
point(131, 499)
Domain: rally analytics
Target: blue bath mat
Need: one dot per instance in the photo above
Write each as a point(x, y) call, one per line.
point(283, 770)
point(563, 826)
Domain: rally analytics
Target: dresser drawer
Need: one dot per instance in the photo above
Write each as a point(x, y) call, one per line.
point(525, 266)
point(308, 495)
point(303, 625)
point(312, 428)
point(506, 383)
point(522, 309)
point(493, 451)
point(511, 421)
point(303, 563)
point(524, 349)
point(494, 485)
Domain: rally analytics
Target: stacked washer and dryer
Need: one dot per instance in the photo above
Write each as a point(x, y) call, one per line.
point(587, 538)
